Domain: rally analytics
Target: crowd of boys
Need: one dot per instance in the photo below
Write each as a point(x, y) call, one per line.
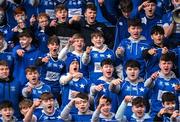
point(89, 61)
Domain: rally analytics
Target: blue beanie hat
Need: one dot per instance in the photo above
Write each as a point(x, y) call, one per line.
point(69, 60)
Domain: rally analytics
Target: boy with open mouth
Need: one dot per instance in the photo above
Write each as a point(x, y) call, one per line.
point(73, 82)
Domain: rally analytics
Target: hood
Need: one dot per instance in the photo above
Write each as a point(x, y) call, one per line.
point(37, 86)
point(100, 50)
point(146, 116)
point(171, 75)
point(138, 40)
point(138, 80)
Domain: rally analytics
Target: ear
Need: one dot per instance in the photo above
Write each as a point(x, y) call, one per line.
point(101, 69)
point(30, 39)
point(128, 29)
point(159, 64)
point(132, 109)
point(151, 37)
point(162, 105)
point(85, 14)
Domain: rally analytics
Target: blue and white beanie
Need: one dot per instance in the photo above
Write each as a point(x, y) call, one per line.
point(69, 60)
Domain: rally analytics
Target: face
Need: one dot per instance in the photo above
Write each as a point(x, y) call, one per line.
point(132, 73)
point(169, 106)
point(158, 38)
point(21, 23)
point(135, 31)
point(176, 3)
point(74, 67)
point(25, 42)
point(126, 14)
point(33, 77)
point(105, 109)
point(61, 15)
point(7, 113)
point(24, 110)
point(150, 9)
point(138, 110)
point(78, 44)
point(90, 16)
point(4, 72)
point(82, 105)
point(43, 22)
point(166, 67)
point(107, 70)
point(48, 105)
point(98, 41)
point(53, 48)
point(20, 16)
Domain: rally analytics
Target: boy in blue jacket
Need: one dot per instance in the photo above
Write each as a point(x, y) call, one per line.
point(161, 81)
point(154, 52)
point(34, 87)
point(73, 82)
point(10, 89)
point(24, 55)
point(132, 85)
point(168, 112)
point(131, 48)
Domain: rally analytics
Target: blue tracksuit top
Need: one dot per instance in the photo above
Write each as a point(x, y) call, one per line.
point(21, 63)
point(161, 84)
point(96, 57)
point(11, 90)
point(133, 89)
point(107, 93)
point(133, 51)
point(78, 85)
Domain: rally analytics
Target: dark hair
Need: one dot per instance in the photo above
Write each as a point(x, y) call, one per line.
point(126, 5)
point(1, 35)
point(132, 64)
point(19, 10)
point(5, 104)
point(26, 33)
point(157, 29)
point(107, 99)
point(96, 33)
point(53, 39)
point(46, 96)
point(139, 101)
point(31, 69)
point(60, 7)
point(168, 57)
point(107, 61)
point(91, 6)
point(25, 103)
point(168, 97)
point(3, 63)
point(134, 22)
point(150, 1)
point(83, 96)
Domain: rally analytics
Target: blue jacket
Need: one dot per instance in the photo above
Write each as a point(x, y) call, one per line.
point(11, 90)
point(21, 63)
point(133, 51)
